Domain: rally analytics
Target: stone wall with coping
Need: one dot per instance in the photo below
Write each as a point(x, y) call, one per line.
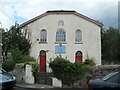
point(102, 70)
point(94, 72)
point(19, 73)
point(23, 74)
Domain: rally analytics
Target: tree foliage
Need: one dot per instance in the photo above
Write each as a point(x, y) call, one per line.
point(8, 65)
point(66, 71)
point(111, 45)
point(14, 39)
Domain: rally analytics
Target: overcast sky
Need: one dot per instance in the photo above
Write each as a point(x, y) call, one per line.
point(11, 11)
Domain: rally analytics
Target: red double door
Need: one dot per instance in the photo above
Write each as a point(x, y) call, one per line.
point(42, 61)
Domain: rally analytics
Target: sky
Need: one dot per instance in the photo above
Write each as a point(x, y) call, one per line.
point(11, 11)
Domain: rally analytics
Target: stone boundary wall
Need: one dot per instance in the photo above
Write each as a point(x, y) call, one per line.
point(23, 74)
point(19, 73)
point(96, 72)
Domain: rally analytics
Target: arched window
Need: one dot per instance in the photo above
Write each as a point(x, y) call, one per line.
point(43, 36)
point(78, 36)
point(60, 36)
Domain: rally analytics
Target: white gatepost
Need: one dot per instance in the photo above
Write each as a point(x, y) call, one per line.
point(29, 78)
point(56, 82)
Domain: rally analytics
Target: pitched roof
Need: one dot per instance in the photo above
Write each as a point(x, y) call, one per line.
point(61, 12)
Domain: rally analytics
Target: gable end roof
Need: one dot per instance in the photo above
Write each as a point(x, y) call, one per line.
point(61, 12)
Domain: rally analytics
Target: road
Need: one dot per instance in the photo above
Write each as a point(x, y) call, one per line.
point(17, 88)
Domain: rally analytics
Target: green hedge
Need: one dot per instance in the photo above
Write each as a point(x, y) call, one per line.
point(8, 65)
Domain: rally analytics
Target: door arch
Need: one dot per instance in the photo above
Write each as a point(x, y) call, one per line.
point(78, 56)
point(42, 61)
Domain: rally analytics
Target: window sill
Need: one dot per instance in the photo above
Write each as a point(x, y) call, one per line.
point(60, 42)
point(78, 42)
point(42, 42)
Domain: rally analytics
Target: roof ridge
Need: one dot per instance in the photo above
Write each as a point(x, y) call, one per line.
point(60, 11)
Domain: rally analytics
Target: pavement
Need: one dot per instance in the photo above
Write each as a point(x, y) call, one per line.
point(32, 86)
point(46, 87)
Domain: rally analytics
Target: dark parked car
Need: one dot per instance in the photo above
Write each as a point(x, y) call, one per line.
point(110, 81)
point(6, 80)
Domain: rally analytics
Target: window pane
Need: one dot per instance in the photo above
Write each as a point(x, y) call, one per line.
point(78, 36)
point(43, 37)
point(60, 35)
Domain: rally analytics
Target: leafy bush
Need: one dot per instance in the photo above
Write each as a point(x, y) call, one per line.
point(35, 71)
point(8, 65)
point(17, 55)
point(27, 58)
point(89, 61)
point(86, 61)
point(66, 71)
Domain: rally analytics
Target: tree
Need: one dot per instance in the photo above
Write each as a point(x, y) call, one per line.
point(14, 39)
point(111, 45)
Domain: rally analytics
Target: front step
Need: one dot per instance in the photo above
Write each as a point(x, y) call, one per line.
point(44, 78)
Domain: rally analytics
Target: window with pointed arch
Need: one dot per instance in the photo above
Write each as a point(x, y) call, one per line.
point(60, 35)
point(43, 36)
point(78, 36)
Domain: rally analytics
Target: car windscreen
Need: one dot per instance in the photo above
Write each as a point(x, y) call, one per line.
point(108, 76)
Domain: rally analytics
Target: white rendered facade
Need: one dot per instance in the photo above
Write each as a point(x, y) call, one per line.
point(69, 22)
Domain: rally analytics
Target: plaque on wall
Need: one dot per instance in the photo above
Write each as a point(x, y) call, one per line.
point(60, 49)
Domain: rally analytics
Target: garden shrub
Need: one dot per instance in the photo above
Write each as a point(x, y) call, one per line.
point(27, 58)
point(89, 61)
point(17, 55)
point(86, 61)
point(35, 71)
point(8, 65)
point(67, 71)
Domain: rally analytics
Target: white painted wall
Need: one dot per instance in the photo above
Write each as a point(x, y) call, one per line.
point(91, 38)
point(29, 78)
point(56, 82)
